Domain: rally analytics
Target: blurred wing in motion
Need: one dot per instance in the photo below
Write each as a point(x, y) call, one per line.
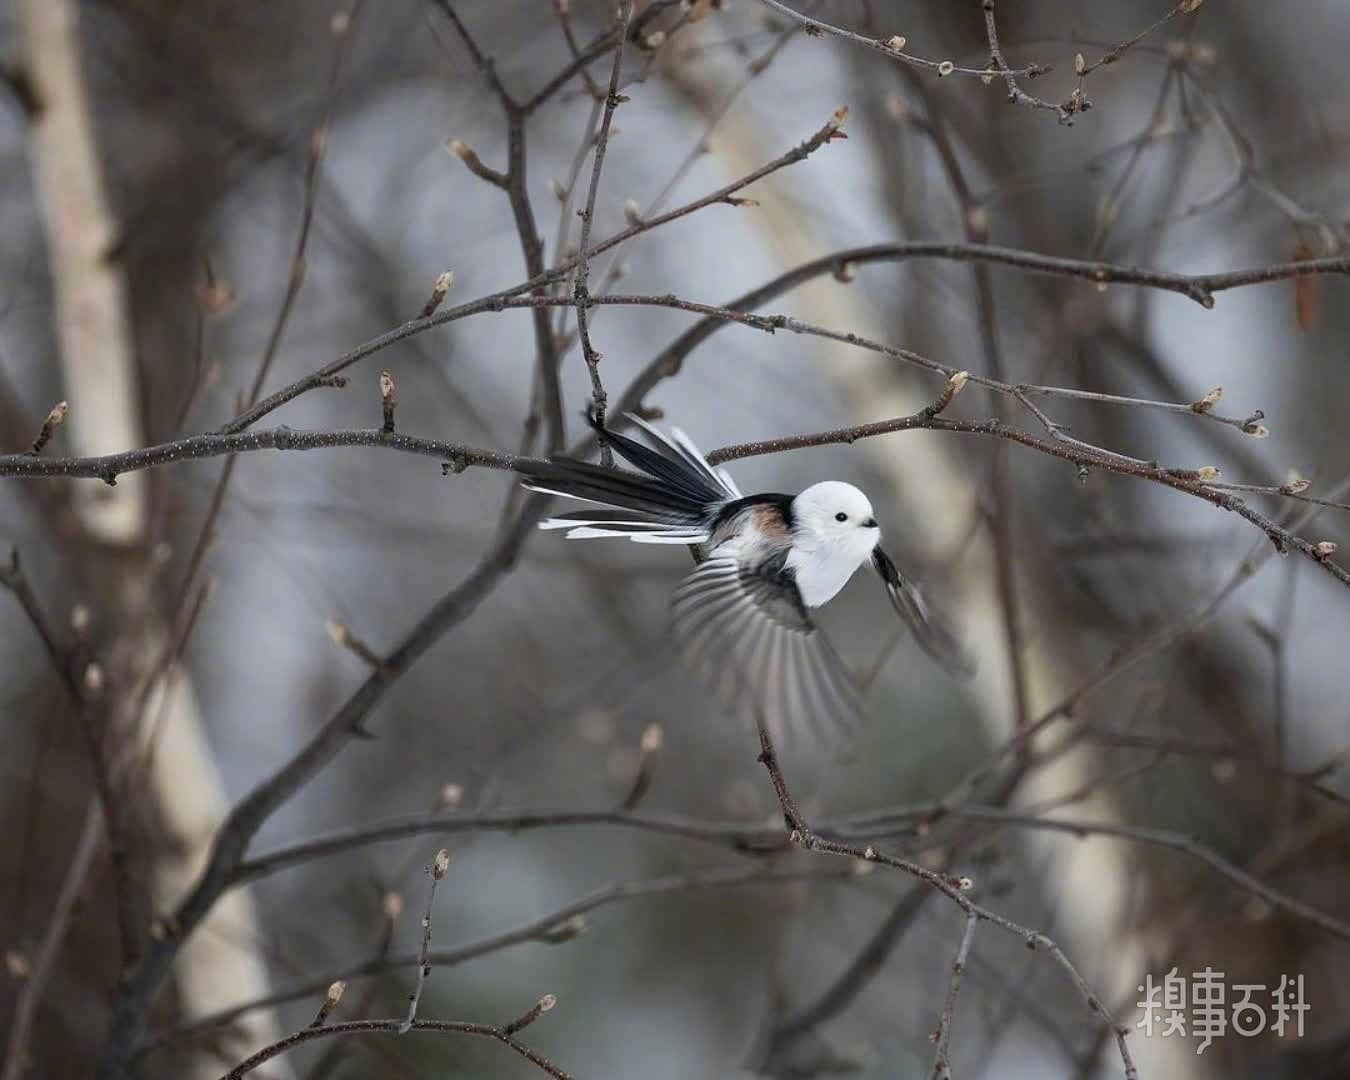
point(929, 628)
point(747, 634)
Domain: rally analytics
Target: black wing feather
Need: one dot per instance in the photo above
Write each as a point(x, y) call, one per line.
point(929, 628)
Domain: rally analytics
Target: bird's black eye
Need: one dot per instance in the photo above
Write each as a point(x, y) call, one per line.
point(841, 516)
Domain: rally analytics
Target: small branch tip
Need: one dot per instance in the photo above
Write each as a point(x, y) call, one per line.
point(535, 1011)
point(1206, 403)
point(55, 418)
point(387, 402)
point(438, 293)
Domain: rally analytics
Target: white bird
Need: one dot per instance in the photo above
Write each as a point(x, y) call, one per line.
point(742, 618)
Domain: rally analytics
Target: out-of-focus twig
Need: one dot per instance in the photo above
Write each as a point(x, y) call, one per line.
point(29, 995)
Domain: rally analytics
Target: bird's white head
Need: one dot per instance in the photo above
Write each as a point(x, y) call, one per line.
point(834, 532)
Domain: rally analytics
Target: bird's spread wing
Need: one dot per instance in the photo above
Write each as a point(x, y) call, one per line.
point(929, 628)
point(745, 631)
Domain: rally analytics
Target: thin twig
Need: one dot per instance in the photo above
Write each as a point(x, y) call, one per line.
point(953, 888)
point(530, 1015)
point(580, 290)
point(111, 466)
point(1002, 512)
point(754, 69)
point(29, 995)
point(350, 1027)
point(840, 993)
point(65, 663)
point(563, 10)
point(13, 578)
point(391, 908)
point(894, 47)
point(942, 1069)
point(1246, 424)
point(1016, 95)
point(556, 926)
point(295, 279)
point(439, 865)
point(514, 182)
point(1115, 52)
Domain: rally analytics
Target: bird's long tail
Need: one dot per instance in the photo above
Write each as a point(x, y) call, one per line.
point(673, 499)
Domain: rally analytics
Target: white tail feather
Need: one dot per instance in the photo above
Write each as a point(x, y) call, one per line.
point(674, 536)
point(576, 523)
point(671, 538)
point(549, 491)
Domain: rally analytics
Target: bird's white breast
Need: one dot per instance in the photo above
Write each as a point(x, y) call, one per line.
point(821, 571)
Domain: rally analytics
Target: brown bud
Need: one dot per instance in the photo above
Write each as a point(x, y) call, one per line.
point(1208, 401)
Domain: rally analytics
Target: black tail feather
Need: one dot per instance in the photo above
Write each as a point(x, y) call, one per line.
point(615, 487)
point(666, 490)
point(664, 466)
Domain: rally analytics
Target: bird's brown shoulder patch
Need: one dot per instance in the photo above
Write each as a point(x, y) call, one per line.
point(768, 521)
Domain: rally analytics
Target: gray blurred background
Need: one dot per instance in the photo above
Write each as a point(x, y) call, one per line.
point(1218, 142)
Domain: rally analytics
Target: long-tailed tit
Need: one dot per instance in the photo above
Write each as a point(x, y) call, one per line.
point(742, 618)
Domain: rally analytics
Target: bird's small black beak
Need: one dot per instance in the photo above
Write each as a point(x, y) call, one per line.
point(870, 523)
